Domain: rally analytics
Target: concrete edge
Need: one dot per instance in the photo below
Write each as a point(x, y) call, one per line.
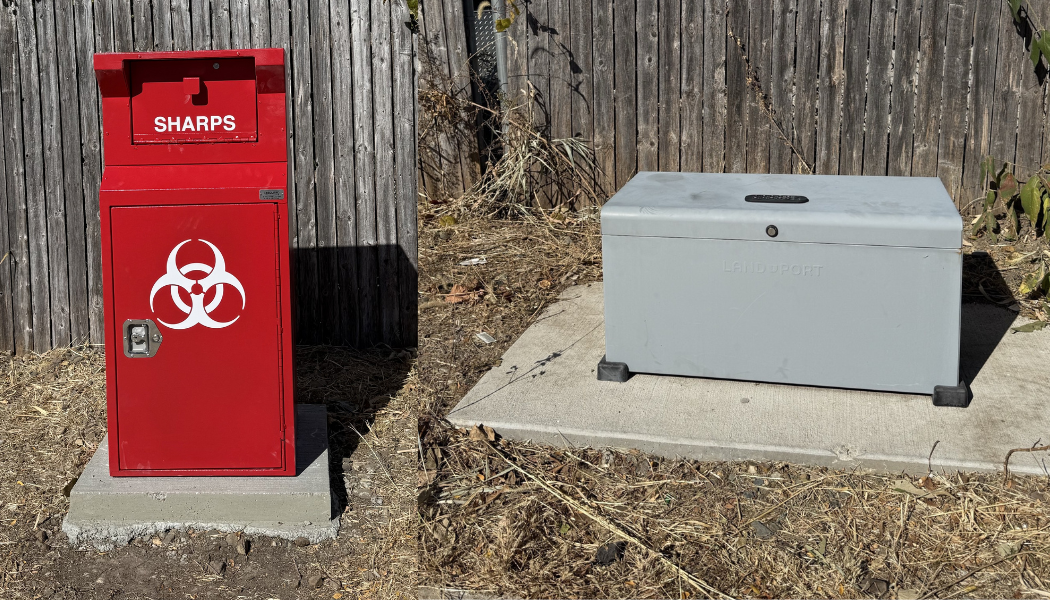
point(676, 448)
point(106, 535)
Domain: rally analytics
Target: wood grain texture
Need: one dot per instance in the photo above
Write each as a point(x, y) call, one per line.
point(1030, 117)
point(17, 217)
point(459, 71)
point(91, 171)
point(986, 31)
point(365, 159)
point(200, 24)
point(851, 153)
point(581, 71)
point(123, 26)
point(692, 100)
point(181, 25)
point(952, 144)
point(403, 56)
point(345, 279)
point(540, 81)
point(669, 74)
point(932, 31)
point(220, 25)
point(781, 85)
point(142, 25)
point(259, 22)
point(647, 37)
point(329, 316)
point(714, 113)
point(559, 46)
point(625, 71)
point(72, 175)
point(877, 109)
point(36, 196)
point(807, 63)
point(7, 315)
point(737, 91)
point(603, 98)
point(902, 96)
point(304, 248)
point(832, 85)
point(760, 53)
point(162, 32)
point(386, 205)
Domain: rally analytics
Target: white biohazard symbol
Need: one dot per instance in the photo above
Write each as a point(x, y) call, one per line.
point(216, 277)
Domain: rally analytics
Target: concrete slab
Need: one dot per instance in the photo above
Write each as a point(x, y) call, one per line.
point(106, 511)
point(546, 391)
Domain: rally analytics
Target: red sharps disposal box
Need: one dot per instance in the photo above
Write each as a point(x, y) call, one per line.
point(195, 263)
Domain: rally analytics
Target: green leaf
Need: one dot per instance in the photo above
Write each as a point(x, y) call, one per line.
point(1032, 199)
point(1015, 223)
point(1029, 284)
point(413, 8)
point(503, 24)
point(989, 200)
point(1015, 8)
point(1029, 328)
point(986, 168)
point(1007, 187)
point(1040, 48)
point(564, 528)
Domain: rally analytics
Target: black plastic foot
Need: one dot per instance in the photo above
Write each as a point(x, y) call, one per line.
point(613, 371)
point(958, 396)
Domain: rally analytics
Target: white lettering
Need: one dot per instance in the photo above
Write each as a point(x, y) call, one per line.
point(174, 124)
point(228, 124)
point(160, 125)
point(215, 122)
point(188, 125)
point(202, 123)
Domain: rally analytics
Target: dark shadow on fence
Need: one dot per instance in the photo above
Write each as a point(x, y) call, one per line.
point(985, 317)
point(362, 296)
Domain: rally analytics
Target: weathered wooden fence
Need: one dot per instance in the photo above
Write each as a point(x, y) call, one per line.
point(352, 131)
point(872, 87)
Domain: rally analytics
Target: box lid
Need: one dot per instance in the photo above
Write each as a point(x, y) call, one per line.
point(829, 209)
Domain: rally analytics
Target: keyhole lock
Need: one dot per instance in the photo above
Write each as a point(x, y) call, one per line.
point(141, 338)
point(771, 231)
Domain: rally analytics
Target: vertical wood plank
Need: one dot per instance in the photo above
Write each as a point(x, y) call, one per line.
point(858, 20)
point(877, 111)
point(91, 153)
point(7, 315)
point(830, 94)
point(626, 101)
point(346, 279)
point(51, 147)
point(365, 158)
point(781, 85)
point(220, 24)
point(807, 39)
point(162, 33)
point(36, 198)
point(952, 145)
point(447, 167)
point(902, 96)
point(72, 174)
point(648, 86)
point(760, 52)
point(559, 46)
point(581, 72)
point(329, 316)
point(305, 193)
point(259, 16)
point(932, 26)
point(459, 70)
point(200, 15)
point(17, 218)
point(240, 24)
point(604, 95)
point(986, 32)
point(1005, 105)
point(142, 25)
point(540, 80)
point(714, 113)
point(181, 25)
point(1030, 121)
point(737, 91)
point(404, 74)
point(692, 111)
point(281, 37)
point(389, 326)
point(123, 26)
point(669, 76)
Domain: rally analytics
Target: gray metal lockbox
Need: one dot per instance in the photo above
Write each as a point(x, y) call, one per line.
point(834, 281)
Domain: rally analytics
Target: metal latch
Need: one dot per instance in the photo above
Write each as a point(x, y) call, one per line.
point(141, 338)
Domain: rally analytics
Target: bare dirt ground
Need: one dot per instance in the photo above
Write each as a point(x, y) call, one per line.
point(501, 518)
point(52, 417)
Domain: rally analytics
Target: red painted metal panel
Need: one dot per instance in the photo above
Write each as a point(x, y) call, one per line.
point(196, 264)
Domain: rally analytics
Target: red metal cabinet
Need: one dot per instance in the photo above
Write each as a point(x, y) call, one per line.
point(196, 264)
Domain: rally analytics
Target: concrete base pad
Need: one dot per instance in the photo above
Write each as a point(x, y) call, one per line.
point(546, 390)
point(105, 511)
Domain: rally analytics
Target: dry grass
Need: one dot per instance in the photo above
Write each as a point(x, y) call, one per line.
point(745, 529)
point(52, 418)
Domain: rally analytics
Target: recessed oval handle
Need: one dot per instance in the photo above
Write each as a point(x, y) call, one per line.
point(776, 198)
